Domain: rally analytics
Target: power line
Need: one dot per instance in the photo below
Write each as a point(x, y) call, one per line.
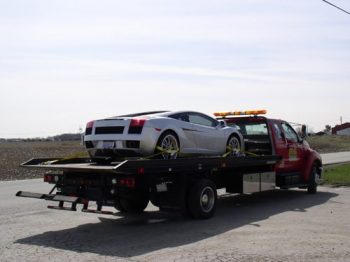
point(336, 7)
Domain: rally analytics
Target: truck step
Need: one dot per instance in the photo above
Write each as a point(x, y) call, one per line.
point(30, 194)
point(34, 195)
point(97, 212)
point(62, 208)
point(69, 199)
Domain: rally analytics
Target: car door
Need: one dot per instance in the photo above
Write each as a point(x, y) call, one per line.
point(208, 137)
point(185, 132)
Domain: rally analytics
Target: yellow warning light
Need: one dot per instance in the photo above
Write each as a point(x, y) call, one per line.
point(240, 113)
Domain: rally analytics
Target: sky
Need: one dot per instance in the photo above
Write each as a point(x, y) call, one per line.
point(64, 63)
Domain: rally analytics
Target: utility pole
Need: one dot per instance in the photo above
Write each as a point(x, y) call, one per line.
point(341, 120)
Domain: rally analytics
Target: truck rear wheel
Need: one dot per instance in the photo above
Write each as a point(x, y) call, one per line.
point(202, 199)
point(131, 205)
point(313, 180)
point(119, 206)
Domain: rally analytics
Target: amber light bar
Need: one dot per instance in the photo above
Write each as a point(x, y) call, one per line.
point(241, 113)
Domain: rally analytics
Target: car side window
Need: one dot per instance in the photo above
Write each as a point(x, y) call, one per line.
point(290, 133)
point(180, 116)
point(203, 120)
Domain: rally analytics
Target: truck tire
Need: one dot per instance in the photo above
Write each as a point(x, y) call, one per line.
point(131, 205)
point(312, 187)
point(202, 199)
point(118, 206)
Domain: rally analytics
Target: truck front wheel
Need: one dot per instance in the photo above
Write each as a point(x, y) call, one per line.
point(202, 199)
point(313, 180)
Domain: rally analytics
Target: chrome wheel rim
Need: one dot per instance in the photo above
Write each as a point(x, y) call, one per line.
point(234, 146)
point(207, 199)
point(169, 142)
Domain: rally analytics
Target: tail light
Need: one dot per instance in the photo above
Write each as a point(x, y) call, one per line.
point(137, 122)
point(136, 125)
point(48, 178)
point(89, 126)
point(51, 178)
point(128, 182)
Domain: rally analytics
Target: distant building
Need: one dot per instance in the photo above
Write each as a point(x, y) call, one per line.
point(341, 130)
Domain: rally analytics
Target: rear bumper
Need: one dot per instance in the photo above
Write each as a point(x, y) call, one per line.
point(122, 145)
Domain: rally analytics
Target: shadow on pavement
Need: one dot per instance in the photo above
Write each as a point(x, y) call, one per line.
point(137, 235)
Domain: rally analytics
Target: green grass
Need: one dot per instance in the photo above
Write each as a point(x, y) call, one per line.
point(337, 175)
point(329, 144)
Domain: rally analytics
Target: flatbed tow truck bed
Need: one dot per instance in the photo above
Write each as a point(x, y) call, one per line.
point(129, 184)
point(152, 166)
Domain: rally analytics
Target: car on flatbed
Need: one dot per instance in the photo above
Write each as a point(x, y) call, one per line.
point(162, 133)
point(275, 157)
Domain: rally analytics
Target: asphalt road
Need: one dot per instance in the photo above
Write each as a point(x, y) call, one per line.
point(335, 158)
point(281, 225)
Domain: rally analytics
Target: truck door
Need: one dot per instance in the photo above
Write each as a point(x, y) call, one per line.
point(289, 146)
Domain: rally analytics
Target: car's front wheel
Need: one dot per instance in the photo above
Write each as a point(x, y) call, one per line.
point(234, 147)
point(168, 145)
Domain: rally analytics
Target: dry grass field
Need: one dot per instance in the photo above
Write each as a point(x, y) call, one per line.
point(12, 154)
point(329, 144)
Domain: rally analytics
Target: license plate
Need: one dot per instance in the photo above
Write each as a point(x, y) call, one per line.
point(108, 144)
point(118, 144)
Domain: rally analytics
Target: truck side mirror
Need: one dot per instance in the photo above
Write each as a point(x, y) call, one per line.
point(303, 131)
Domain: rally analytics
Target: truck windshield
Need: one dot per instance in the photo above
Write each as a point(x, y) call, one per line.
point(255, 133)
point(251, 128)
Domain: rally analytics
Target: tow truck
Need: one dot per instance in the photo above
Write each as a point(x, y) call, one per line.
point(275, 156)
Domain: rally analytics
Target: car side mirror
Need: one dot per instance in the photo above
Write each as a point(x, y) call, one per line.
point(222, 123)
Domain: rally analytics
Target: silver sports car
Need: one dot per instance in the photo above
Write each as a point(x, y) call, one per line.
point(162, 134)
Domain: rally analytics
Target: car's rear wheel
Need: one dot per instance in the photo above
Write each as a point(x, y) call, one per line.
point(169, 145)
point(234, 146)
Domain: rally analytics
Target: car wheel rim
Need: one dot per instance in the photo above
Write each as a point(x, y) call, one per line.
point(234, 145)
point(169, 142)
point(207, 199)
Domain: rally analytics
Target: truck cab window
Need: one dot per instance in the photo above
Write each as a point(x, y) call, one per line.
point(277, 131)
point(290, 133)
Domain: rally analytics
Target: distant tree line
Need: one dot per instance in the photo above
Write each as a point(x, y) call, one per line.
point(62, 137)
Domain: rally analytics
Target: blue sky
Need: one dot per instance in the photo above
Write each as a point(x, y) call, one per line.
point(63, 63)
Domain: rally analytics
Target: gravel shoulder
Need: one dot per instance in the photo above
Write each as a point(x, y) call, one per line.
point(281, 225)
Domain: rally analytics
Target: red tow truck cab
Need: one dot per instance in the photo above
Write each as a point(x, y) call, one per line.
point(299, 164)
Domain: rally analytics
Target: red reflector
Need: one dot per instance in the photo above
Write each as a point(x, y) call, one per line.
point(90, 124)
point(128, 182)
point(48, 178)
point(141, 170)
point(136, 122)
